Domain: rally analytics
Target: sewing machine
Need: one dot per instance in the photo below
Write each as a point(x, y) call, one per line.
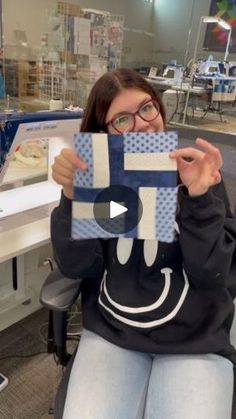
point(58, 127)
point(174, 73)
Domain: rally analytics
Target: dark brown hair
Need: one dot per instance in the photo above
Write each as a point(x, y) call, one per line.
point(106, 89)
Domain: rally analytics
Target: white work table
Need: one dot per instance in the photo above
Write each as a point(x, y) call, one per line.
point(24, 246)
point(18, 175)
point(164, 84)
point(23, 232)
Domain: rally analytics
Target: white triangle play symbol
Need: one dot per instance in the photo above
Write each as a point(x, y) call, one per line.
point(116, 209)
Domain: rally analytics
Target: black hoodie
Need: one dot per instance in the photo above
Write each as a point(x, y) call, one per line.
point(149, 296)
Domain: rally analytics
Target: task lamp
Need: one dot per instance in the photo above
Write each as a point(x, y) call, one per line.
point(206, 19)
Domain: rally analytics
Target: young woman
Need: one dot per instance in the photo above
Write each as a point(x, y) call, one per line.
point(155, 343)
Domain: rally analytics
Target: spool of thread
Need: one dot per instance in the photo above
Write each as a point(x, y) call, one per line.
point(55, 105)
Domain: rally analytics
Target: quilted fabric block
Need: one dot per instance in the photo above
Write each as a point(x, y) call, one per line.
point(139, 161)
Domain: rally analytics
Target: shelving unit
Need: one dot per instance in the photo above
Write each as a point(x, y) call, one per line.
point(21, 78)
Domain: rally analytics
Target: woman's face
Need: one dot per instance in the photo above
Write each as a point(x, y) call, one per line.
point(130, 101)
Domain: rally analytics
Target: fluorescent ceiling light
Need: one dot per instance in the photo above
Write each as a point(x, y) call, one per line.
point(216, 19)
point(210, 19)
point(224, 24)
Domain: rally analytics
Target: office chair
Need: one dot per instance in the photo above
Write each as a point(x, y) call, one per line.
point(59, 293)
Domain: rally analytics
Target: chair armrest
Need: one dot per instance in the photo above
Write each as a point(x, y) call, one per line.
point(58, 292)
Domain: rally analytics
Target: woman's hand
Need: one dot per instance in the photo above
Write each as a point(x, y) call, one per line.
point(63, 170)
point(198, 169)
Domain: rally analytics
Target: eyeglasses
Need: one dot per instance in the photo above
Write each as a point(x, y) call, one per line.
point(125, 122)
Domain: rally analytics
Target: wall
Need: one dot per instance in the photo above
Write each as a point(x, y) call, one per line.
point(26, 15)
point(176, 24)
point(152, 33)
point(138, 16)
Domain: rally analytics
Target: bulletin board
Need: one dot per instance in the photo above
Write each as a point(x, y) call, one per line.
point(216, 37)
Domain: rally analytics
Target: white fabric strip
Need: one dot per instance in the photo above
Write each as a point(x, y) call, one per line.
point(82, 210)
point(146, 226)
point(101, 175)
point(149, 161)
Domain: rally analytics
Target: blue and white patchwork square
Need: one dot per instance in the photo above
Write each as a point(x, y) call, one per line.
point(139, 161)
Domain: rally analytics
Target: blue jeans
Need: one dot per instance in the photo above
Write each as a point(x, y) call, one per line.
point(108, 382)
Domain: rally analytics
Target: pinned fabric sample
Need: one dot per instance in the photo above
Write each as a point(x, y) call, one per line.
point(131, 172)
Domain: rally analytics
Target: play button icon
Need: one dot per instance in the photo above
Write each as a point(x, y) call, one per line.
point(117, 209)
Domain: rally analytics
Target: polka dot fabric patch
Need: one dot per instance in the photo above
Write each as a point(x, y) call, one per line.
point(83, 148)
point(149, 142)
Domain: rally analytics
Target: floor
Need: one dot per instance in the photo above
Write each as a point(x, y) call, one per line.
point(213, 122)
point(33, 374)
point(210, 122)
